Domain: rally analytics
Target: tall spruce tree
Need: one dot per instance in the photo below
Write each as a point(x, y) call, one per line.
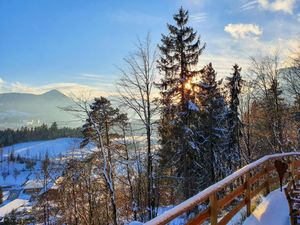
point(179, 52)
point(234, 86)
point(212, 127)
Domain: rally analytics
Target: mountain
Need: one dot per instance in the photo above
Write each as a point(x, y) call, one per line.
point(19, 109)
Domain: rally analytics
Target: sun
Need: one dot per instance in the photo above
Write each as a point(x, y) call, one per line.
point(188, 86)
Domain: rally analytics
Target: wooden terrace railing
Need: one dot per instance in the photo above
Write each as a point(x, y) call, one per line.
point(241, 188)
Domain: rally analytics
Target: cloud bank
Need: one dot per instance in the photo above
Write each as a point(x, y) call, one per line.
point(286, 6)
point(198, 17)
point(242, 31)
point(69, 89)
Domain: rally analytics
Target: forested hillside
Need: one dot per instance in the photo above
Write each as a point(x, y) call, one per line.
point(24, 134)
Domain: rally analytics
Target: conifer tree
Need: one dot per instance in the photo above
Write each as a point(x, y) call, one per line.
point(179, 52)
point(234, 86)
point(212, 129)
point(102, 117)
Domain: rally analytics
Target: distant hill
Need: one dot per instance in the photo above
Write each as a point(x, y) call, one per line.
point(19, 109)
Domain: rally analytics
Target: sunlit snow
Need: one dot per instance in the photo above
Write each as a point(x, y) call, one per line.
point(273, 210)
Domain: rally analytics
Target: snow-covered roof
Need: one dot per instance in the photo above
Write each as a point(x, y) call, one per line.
point(33, 184)
point(57, 183)
point(15, 204)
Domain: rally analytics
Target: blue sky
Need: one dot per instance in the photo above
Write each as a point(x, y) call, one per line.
point(75, 45)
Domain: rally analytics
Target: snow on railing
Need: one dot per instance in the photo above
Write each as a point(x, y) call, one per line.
point(246, 189)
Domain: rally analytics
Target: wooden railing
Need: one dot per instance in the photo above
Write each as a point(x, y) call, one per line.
point(241, 188)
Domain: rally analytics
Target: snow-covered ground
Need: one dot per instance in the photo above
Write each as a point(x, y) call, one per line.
point(273, 210)
point(13, 173)
point(16, 175)
point(38, 149)
point(13, 205)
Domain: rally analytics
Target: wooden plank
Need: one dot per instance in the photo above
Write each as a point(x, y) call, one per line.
point(232, 213)
point(228, 198)
point(256, 177)
point(271, 168)
point(296, 172)
point(200, 218)
point(213, 209)
point(291, 167)
point(296, 163)
point(247, 194)
point(267, 178)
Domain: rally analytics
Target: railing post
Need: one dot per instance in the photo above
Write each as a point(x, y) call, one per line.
point(292, 167)
point(247, 194)
point(213, 208)
point(267, 177)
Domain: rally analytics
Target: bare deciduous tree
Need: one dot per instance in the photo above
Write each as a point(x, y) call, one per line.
point(292, 77)
point(136, 91)
point(268, 98)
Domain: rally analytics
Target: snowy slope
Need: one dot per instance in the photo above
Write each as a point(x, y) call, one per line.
point(15, 204)
point(14, 173)
point(8, 176)
point(38, 149)
point(23, 172)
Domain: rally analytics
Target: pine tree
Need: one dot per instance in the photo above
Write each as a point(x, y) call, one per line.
point(102, 117)
point(234, 86)
point(10, 218)
point(212, 129)
point(179, 54)
point(105, 117)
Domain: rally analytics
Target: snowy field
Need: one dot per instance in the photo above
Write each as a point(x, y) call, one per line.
point(38, 149)
point(14, 174)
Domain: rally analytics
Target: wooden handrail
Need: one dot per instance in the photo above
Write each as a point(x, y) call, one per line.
point(210, 194)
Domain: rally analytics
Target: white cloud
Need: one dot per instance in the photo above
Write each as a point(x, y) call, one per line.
point(243, 30)
point(223, 52)
point(1, 81)
point(249, 5)
point(298, 17)
point(198, 17)
point(69, 89)
point(91, 75)
point(286, 6)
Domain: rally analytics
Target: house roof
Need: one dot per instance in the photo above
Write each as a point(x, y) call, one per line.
point(33, 184)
